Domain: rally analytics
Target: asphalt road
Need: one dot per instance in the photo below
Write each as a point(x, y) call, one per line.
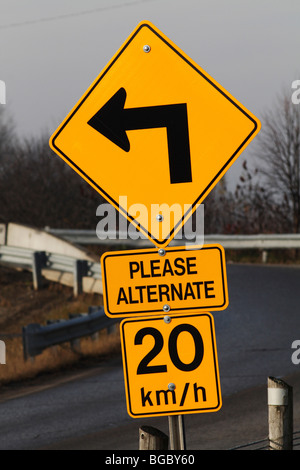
point(254, 337)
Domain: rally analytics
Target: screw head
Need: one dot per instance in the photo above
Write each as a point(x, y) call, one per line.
point(166, 308)
point(146, 48)
point(167, 319)
point(171, 386)
point(159, 218)
point(161, 252)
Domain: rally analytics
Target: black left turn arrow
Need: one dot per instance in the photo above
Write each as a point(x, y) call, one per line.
point(113, 120)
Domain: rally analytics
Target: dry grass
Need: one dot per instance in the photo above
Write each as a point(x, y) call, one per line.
point(20, 305)
point(55, 358)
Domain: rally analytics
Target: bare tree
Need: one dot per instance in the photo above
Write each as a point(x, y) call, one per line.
point(278, 152)
point(251, 209)
point(39, 189)
point(8, 139)
point(256, 209)
point(219, 214)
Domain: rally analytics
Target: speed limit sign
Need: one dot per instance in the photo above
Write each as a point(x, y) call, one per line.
point(170, 365)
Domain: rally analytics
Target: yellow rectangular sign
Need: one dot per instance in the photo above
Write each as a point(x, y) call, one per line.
point(145, 282)
point(170, 365)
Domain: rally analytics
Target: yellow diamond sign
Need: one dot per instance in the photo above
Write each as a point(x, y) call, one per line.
point(154, 133)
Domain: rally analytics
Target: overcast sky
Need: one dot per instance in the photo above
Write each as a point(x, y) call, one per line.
point(51, 51)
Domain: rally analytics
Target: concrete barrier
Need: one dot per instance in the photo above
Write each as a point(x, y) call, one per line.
point(39, 240)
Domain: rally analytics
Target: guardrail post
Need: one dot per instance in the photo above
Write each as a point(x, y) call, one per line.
point(91, 309)
point(2, 234)
point(80, 270)
point(280, 410)
point(152, 439)
point(75, 343)
point(264, 256)
point(36, 337)
point(38, 263)
point(2, 352)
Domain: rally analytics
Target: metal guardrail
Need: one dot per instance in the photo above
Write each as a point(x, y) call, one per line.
point(39, 260)
point(37, 338)
point(233, 242)
point(256, 242)
point(16, 256)
point(89, 237)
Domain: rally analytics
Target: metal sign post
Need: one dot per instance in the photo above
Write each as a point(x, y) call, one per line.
point(177, 432)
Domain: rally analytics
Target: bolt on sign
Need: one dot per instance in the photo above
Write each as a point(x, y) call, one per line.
point(152, 281)
point(156, 128)
point(170, 365)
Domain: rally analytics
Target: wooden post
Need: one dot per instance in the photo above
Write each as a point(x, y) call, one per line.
point(280, 409)
point(264, 256)
point(177, 432)
point(2, 352)
point(152, 439)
